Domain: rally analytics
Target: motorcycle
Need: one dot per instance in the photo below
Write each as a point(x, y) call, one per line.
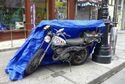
point(73, 51)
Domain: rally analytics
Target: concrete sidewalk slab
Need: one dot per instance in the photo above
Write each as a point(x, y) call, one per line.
point(11, 44)
point(121, 32)
point(118, 78)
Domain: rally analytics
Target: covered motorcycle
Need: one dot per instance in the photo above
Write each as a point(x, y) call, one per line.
point(75, 28)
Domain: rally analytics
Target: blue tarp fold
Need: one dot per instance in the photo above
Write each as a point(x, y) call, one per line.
point(16, 66)
point(3, 27)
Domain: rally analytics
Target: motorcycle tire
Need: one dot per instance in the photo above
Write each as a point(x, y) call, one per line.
point(34, 62)
point(79, 57)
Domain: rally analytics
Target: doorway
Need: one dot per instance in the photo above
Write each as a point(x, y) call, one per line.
point(39, 10)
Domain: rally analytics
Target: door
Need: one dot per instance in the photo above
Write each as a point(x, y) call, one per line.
point(39, 11)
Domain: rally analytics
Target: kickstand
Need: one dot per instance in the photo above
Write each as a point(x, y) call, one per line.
point(69, 65)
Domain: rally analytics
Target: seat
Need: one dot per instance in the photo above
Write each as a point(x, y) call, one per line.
point(75, 41)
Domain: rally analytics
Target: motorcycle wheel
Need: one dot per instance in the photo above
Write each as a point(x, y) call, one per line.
point(34, 62)
point(79, 57)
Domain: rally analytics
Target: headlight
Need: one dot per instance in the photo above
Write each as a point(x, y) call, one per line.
point(47, 39)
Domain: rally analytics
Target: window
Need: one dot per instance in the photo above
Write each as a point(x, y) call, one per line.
point(61, 9)
point(39, 7)
point(119, 6)
point(11, 14)
point(86, 11)
point(119, 2)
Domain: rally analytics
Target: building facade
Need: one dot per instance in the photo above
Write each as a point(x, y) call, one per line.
point(12, 14)
point(117, 12)
point(18, 18)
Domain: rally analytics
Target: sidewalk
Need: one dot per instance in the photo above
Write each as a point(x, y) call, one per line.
point(118, 61)
point(88, 73)
point(10, 45)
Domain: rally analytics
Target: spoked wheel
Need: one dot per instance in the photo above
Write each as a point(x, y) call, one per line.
point(34, 62)
point(79, 57)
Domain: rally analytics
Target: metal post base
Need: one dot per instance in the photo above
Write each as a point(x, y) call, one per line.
point(103, 56)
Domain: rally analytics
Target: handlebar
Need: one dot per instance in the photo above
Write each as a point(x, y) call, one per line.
point(46, 27)
point(66, 34)
point(93, 36)
point(58, 32)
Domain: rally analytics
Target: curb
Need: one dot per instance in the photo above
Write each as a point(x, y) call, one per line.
point(121, 32)
point(8, 49)
point(108, 74)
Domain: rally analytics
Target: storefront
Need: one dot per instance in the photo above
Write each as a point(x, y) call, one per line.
point(60, 9)
point(48, 10)
point(38, 10)
point(18, 18)
point(87, 9)
point(12, 19)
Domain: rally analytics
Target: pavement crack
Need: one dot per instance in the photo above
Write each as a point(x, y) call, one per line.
point(49, 69)
point(60, 73)
point(69, 79)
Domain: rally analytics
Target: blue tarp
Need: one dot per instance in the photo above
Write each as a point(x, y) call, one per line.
point(18, 63)
point(3, 27)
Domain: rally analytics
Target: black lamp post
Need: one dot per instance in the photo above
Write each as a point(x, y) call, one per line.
point(102, 52)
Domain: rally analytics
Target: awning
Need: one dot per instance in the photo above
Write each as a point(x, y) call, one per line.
point(91, 1)
point(83, 3)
